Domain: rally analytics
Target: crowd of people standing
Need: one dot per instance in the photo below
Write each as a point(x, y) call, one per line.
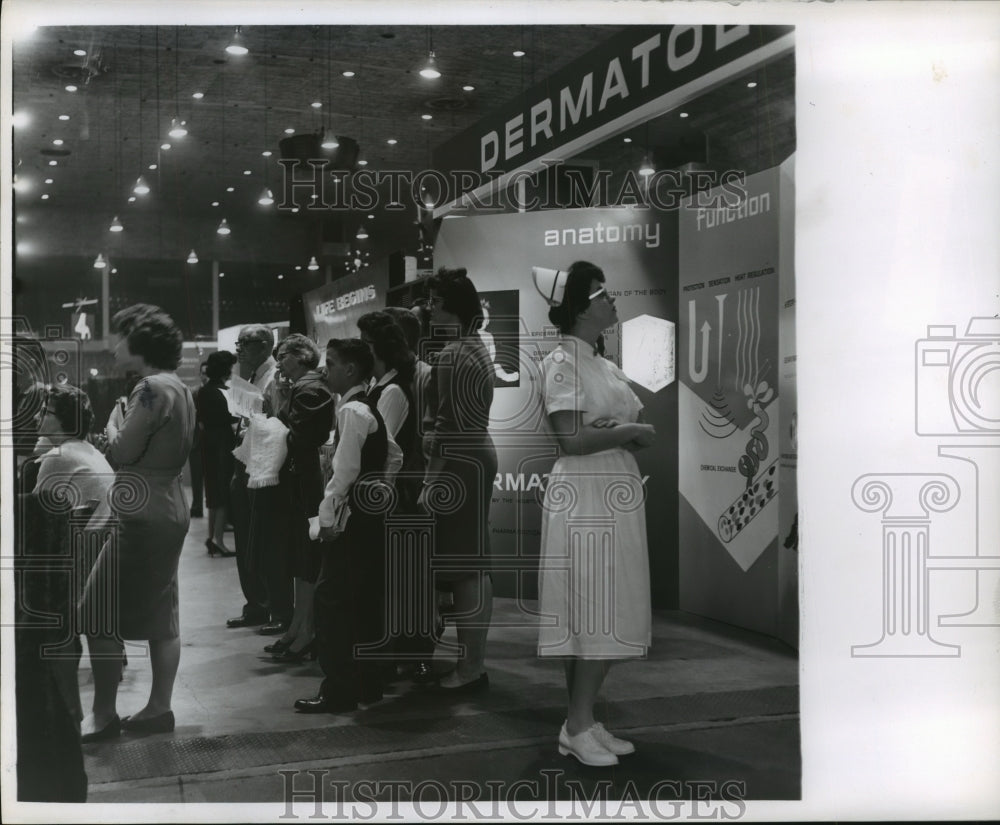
point(382, 425)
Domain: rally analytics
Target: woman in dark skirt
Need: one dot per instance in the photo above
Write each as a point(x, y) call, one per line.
point(309, 418)
point(218, 439)
point(132, 590)
point(461, 467)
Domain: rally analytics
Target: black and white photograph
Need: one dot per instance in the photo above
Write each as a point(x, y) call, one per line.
point(555, 411)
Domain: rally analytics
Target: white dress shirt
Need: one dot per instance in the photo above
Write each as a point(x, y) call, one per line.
point(264, 374)
point(355, 423)
point(392, 404)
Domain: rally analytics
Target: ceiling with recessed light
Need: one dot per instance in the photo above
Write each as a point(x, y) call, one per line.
point(78, 154)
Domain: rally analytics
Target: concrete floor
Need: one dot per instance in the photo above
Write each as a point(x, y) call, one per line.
point(711, 704)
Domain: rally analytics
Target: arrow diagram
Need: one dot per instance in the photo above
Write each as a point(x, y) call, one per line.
point(722, 300)
point(698, 375)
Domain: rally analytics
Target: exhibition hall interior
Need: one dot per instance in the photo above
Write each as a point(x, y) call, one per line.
point(262, 184)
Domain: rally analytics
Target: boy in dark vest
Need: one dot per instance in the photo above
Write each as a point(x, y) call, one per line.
point(350, 592)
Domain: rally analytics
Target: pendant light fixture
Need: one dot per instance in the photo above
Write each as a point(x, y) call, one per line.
point(313, 264)
point(266, 196)
point(646, 168)
point(116, 225)
point(362, 233)
point(177, 128)
point(141, 187)
point(223, 228)
point(237, 45)
point(329, 140)
point(430, 71)
point(192, 257)
point(99, 262)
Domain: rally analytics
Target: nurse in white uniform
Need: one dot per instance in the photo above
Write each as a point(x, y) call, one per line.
point(594, 566)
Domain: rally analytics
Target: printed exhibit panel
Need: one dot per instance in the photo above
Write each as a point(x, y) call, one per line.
point(636, 248)
point(729, 373)
point(788, 420)
point(332, 310)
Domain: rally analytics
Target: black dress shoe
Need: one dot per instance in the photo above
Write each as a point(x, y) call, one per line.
point(290, 656)
point(112, 730)
point(475, 686)
point(164, 723)
point(279, 646)
point(273, 629)
point(244, 621)
point(319, 704)
point(214, 547)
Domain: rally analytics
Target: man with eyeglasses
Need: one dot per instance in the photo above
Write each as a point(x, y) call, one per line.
point(254, 347)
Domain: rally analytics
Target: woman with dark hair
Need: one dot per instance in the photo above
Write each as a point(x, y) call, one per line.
point(392, 391)
point(308, 414)
point(76, 472)
point(136, 571)
point(392, 377)
point(218, 439)
point(462, 463)
point(64, 424)
point(73, 479)
point(601, 603)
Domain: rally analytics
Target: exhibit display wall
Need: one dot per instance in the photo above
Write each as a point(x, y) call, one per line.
point(636, 248)
point(332, 310)
point(735, 437)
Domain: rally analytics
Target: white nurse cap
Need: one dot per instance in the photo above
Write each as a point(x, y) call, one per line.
point(551, 283)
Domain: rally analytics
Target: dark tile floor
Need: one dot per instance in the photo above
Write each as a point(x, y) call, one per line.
point(713, 711)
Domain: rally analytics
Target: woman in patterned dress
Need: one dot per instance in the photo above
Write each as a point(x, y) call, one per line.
point(132, 590)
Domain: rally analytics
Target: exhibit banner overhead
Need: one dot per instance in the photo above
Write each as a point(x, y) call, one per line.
point(638, 74)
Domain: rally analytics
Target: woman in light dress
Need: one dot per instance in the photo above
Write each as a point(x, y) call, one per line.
point(594, 568)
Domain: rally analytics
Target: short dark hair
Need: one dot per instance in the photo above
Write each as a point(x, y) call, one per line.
point(388, 343)
point(576, 296)
point(71, 406)
point(354, 351)
point(125, 319)
point(219, 365)
point(409, 323)
point(30, 407)
point(302, 347)
point(458, 297)
point(152, 335)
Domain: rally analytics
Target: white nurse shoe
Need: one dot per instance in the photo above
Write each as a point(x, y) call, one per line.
point(585, 747)
point(619, 747)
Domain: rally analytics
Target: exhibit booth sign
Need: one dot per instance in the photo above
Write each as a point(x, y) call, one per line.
point(636, 75)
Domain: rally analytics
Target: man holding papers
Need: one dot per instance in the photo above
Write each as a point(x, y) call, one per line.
point(257, 370)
